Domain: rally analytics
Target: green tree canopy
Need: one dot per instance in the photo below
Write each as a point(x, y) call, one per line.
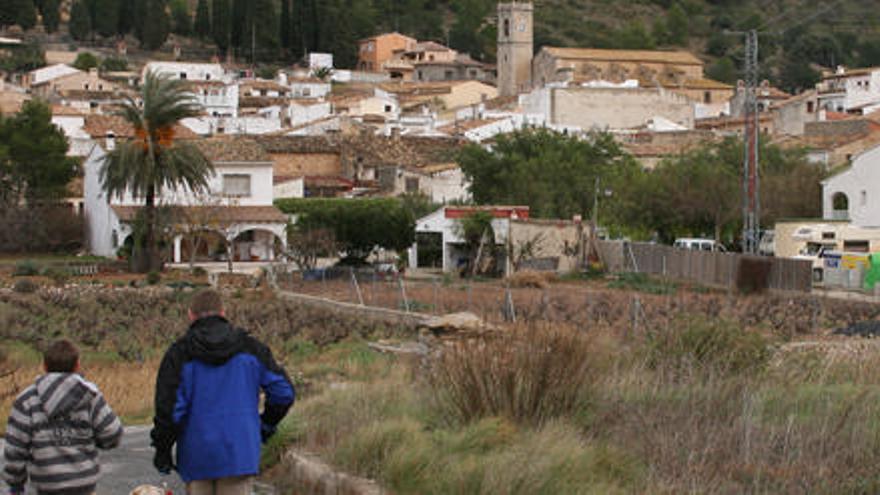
point(85, 61)
point(181, 20)
point(33, 156)
point(220, 24)
point(359, 225)
point(554, 174)
point(699, 193)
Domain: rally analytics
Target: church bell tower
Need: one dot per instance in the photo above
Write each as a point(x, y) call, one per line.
point(515, 47)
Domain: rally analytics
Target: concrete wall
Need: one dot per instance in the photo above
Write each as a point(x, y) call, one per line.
point(552, 238)
point(546, 69)
point(617, 108)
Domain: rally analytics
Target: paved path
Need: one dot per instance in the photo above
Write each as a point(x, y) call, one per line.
point(130, 465)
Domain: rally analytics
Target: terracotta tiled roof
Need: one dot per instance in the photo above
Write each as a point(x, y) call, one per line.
point(226, 214)
point(646, 56)
point(429, 46)
point(66, 111)
point(328, 181)
point(233, 149)
point(98, 126)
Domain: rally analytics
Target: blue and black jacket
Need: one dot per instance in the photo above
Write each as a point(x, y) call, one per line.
point(207, 400)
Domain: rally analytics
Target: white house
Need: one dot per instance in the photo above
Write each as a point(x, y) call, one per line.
point(850, 90)
point(445, 223)
point(218, 98)
point(188, 71)
point(301, 112)
point(237, 206)
point(854, 193)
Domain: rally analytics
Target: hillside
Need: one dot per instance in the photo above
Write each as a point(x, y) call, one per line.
point(802, 36)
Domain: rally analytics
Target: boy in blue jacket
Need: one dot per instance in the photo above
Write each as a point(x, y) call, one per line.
point(207, 402)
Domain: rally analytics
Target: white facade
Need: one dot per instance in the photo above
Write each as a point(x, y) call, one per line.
point(854, 194)
point(309, 88)
point(253, 187)
point(79, 140)
point(218, 100)
point(188, 71)
point(450, 230)
point(320, 61)
point(300, 114)
point(849, 90)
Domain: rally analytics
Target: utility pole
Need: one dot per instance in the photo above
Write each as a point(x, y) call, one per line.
point(751, 133)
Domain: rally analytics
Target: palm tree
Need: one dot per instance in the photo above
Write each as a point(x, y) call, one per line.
point(154, 160)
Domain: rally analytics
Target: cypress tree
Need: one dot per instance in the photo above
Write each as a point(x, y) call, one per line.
point(25, 13)
point(156, 25)
point(80, 21)
point(220, 26)
point(106, 17)
point(50, 10)
point(126, 17)
point(203, 20)
point(239, 22)
point(285, 24)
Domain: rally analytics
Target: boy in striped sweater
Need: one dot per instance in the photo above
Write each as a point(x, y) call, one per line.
point(56, 427)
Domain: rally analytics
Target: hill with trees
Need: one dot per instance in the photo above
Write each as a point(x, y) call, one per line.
point(801, 36)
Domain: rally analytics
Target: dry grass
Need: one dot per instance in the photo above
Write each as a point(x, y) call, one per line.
point(690, 415)
point(529, 374)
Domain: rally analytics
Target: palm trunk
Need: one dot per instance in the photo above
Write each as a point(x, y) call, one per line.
point(151, 259)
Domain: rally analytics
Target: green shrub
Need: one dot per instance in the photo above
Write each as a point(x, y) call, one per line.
point(704, 344)
point(199, 272)
point(26, 268)
point(58, 275)
point(25, 286)
point(153, 278)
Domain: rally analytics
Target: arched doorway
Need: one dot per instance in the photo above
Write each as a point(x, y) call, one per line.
point(840, 206)
point(207, 245)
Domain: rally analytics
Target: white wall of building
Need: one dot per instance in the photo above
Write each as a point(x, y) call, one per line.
point(861, 184)
point(302, 114)
point(188, 71)
point(450, 231)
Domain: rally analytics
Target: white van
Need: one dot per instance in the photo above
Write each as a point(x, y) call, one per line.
point(698, 244)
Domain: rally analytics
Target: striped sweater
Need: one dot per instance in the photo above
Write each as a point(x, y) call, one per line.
point(54, 430)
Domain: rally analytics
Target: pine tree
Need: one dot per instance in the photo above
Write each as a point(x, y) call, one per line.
point(25, 13)
point(80, 21)
point(106, 17)
point(220, 25)
point(262, 29)
point(284, 35)
point(203, 20)
point(50, 10)
point(156, 25)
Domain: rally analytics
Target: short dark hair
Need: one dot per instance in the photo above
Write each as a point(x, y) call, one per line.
point(61, 357)
point(206, 302)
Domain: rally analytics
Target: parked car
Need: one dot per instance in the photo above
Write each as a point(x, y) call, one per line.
point(767, 244)
point(698, 244)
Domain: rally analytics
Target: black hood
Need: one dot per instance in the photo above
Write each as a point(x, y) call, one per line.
point(213, 340)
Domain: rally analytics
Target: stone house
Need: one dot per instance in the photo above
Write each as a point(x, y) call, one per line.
point(375, 51)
